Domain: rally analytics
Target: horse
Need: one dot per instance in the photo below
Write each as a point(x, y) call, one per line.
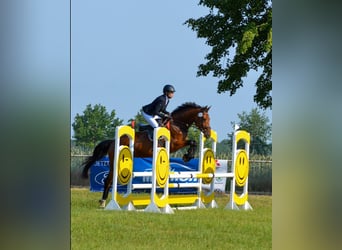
point(182, 118)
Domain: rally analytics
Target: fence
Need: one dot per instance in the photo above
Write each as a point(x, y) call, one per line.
point(259, 180)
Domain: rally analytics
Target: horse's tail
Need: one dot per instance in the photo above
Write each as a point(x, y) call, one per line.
point(100, 151)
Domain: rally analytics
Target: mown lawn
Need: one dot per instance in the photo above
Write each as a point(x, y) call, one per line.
point(219, 228)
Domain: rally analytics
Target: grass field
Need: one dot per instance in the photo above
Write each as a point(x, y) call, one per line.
point(219, 228)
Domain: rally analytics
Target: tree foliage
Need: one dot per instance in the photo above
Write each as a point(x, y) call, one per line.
point(224, 149)
point(260, 129)
point(239, 33)
point(95, 125)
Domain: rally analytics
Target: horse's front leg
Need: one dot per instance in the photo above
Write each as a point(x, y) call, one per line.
point(191, 150)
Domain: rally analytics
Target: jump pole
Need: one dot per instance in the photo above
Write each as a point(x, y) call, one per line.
point(123, 160)
point(240, 170)
point(207, 167)
point(160, 172)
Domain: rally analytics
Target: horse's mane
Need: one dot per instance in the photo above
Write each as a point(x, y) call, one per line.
point(185, 106)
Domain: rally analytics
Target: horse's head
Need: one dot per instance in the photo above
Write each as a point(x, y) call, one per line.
point(202, 121)
point(191, 113)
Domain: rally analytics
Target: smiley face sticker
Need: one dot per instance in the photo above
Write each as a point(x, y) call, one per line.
point(208, 165)
point(162, 167)
point(241, 168)
point(125, 165)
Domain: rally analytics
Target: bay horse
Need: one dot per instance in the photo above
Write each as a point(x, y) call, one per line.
point(182, 118)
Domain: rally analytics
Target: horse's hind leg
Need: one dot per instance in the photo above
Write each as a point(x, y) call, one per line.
point(107, 185)
point(109, 179)
point(191, 151)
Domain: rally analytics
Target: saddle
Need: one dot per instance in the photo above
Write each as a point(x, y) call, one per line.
point(149, 130)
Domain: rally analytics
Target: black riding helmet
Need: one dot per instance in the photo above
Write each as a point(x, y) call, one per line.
point(168, 88)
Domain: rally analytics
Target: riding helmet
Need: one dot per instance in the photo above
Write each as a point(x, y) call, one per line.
point(168, 88)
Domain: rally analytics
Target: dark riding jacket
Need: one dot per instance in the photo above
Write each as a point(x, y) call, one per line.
point(157, 107)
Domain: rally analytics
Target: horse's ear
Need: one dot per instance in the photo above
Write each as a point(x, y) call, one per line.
point(207, 108)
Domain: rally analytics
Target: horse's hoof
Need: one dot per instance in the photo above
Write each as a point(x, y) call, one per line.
point(102, 203)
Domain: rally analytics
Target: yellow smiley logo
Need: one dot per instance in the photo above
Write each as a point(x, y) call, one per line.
point(125, 165)
point(241, 168)
point(162, 167)
point(208, 165)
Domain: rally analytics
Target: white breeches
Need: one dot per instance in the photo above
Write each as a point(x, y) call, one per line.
point(151, 119)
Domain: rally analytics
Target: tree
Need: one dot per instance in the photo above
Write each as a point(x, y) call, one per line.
point(224, 149)
point(244, 29)
point(95, 125)
point(257, 124)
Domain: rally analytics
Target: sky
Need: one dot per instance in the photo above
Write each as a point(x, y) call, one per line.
point(124, 52)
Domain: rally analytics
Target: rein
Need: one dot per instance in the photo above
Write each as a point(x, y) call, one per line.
point(183, 124)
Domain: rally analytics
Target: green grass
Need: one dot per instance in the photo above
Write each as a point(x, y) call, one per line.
point(219, 228)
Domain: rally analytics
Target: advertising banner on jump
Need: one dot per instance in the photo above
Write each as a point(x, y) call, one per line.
point(99, 172)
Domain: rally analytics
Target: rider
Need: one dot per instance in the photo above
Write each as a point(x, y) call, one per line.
point(157, 109)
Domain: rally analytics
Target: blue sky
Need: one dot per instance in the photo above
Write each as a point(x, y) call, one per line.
point(123, 52)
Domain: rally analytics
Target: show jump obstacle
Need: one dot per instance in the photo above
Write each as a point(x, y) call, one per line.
point(159, 199)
